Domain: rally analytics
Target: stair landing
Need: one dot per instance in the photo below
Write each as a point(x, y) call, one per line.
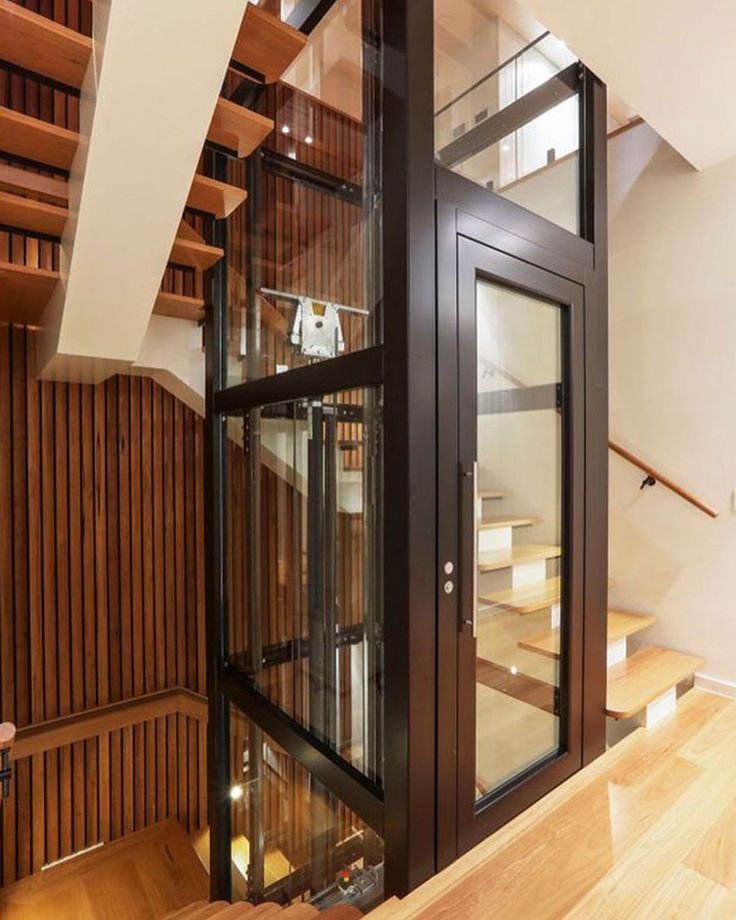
point(146, 875)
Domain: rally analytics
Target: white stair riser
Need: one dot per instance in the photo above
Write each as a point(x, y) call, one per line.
point(496, 538)
point(528, 573)
point(659, 709)
point(616, 652)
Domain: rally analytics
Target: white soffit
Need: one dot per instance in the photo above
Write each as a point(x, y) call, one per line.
point(673, 62)
point(147, 103)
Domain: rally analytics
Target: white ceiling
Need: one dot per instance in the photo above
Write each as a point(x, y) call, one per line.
point(672, 61)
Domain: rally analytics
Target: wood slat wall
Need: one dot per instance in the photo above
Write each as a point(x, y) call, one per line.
point(101, 599)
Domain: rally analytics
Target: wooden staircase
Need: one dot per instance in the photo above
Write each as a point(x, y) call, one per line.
point(642, 685)
point(221, 910)
point(38, 204)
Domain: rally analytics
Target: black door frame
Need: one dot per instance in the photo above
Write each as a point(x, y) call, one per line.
point(464, 211)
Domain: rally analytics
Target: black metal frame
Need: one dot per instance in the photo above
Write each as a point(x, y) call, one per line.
point(570, 270)
point(418, 801)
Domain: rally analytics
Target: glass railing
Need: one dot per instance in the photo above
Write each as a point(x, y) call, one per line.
point(514, 123)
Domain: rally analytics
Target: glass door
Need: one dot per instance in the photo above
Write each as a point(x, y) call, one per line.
point(519, 430)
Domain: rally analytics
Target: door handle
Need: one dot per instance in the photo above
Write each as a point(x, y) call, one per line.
point(468, 520)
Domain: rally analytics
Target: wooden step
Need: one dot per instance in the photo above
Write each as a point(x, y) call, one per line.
point(206, 911)
point(644, 677)
point(33, 139)
point(182, 912)
point(178, 306)
point(237, 128)
point(33, 216)
point(266, 44)
point(266, 910)
point(528, 599)
point(516, 555)
point(492, 494)
point(24, 293)
point(49, 219)
point(620, 625)
point(215, 197)
point(45, 47)
point(496, 523)
point(44, 188)
point(342, 912)
point(194, 254)
point(300, 912)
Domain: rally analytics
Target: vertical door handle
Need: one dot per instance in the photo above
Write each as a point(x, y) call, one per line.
point(469, 539)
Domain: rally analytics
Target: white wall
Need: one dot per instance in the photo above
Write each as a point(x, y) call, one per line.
point(673, 392)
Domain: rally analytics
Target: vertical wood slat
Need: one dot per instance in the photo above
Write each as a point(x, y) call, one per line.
point(83, 472)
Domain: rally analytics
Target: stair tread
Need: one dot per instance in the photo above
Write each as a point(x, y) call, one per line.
point(515, 555)
point(494, 523)
point(342, 912)
point(267, 909)
point(620, 624)
point(179, 306)
point(37, 140)
point(31, 215)
point(194, 254)
point(25, 292)
point(645, 676)
point(526, 599)
point(300, 912)
point(491, 494)
point(45, 47)
point(206, 910)
point(237, 128)
point(266, 44)
point(214, 197)
point(182, 912)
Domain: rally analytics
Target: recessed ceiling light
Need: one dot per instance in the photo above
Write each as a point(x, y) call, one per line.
point(236, 793)
point(285, 129)
point(309, 139)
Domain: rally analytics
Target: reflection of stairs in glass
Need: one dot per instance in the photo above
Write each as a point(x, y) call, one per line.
point(642, 685)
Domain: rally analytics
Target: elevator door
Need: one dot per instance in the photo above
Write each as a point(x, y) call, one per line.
point(515, 349)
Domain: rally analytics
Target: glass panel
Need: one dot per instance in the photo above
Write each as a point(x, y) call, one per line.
point(304, 565)
point(292, 840)
point(305, 267)
point(519, 532)
point(487, 58)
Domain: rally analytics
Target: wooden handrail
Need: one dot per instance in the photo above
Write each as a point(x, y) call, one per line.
point(664, 480)
point(45, 736)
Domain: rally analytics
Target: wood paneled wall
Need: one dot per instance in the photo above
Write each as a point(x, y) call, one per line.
point(101, 599)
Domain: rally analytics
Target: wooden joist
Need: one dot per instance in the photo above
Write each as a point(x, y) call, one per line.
point(33, 139)
point(645, 677)
point(620, 625)
point(236, 128)
point(45, 47)
point(516, 555)
point(266, 44)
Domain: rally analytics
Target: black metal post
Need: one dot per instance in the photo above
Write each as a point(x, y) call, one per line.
point(218, 726)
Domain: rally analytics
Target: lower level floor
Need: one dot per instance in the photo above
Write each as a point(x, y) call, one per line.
point(647, 831)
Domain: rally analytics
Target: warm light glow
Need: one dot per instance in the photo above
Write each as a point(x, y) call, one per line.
point(514, 669)
point(236, 793)
point(285, 129)
point(309, 139)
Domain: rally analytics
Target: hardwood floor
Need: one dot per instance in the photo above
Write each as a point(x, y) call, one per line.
point(648, 831)
point(143, 876)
